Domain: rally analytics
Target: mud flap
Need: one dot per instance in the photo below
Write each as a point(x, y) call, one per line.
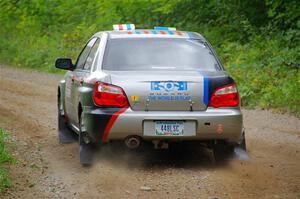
point(209, 152)
point(240, 150)
point(222, 151)
point(65, 135)
point(86, 152)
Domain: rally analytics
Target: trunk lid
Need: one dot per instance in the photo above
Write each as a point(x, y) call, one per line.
point(163, 90)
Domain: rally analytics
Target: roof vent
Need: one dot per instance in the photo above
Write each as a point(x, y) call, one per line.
point(120, 27)
point(164, 28)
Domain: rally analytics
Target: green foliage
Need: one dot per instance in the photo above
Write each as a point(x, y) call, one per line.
point(257, 40)
point(5, 158)
point(267, 72)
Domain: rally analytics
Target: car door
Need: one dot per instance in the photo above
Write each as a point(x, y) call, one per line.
point(73, 81)
point(81, 75)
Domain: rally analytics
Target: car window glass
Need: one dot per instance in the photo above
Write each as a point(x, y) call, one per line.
point(91, 56)
point(138, 54)
point(84, 54)
point(95, 63)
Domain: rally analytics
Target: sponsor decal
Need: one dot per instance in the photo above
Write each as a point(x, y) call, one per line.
point(205, 89)
point(169, 91)
point(169, 86)
point(169, 98)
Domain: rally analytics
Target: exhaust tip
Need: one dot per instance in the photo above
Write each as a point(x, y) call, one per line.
point(133, 142)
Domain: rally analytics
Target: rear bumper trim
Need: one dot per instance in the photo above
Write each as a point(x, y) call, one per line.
point(214, 123)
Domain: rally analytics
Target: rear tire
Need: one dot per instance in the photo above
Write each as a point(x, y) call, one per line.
point(222, 150)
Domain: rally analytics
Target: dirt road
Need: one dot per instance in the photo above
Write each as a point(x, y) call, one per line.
point(48, 169)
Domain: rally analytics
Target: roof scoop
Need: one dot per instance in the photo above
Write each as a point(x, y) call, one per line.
point(123, 27)
point(164, 28)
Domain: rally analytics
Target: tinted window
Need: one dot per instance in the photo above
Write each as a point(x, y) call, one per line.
point(158, 54)
point(91, 56)
point(84, 53)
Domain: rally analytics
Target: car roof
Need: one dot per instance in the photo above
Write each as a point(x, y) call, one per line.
point(151, 33)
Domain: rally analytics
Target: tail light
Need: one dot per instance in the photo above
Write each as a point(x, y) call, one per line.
point(109, 95)
point(225, 96)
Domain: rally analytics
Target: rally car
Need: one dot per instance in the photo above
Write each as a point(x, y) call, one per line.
point(156, 85)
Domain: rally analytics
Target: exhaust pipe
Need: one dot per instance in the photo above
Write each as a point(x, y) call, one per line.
point(133, 142)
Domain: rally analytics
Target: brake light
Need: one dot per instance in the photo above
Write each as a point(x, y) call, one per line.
point(225, 96)
point(109, 95)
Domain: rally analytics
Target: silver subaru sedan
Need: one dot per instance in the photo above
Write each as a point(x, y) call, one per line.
point(159, 86)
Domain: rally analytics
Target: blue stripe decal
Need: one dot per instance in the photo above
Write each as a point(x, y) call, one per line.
point(153, 32)
point(205, 90)
point(128, 26)
point(190, 34)
point(137, 32)
point(170, 32)
point(160, 28)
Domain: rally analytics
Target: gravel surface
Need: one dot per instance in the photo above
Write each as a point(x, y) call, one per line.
point(48, 169)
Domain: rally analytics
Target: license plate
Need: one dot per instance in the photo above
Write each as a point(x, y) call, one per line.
point(169, 128)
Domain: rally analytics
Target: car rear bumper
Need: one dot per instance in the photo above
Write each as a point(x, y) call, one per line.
point(221, 123)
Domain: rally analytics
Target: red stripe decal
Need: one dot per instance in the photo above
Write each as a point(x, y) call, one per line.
point(111, 122)
point(178, 33)
point(162, 32)
point(120, 27)
point(146, 31)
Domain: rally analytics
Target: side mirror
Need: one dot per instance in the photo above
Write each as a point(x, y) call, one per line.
point(64, 63)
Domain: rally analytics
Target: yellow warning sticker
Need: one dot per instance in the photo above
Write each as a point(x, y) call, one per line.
point(134, 98)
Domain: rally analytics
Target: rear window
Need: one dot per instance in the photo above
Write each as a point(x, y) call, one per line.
point(138, 54)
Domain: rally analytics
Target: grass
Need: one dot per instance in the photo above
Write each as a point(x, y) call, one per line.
point(267, 72)
point(5, 159)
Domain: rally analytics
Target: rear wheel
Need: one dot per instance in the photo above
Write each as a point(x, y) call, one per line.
point(222, 150)
point(86, 147)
